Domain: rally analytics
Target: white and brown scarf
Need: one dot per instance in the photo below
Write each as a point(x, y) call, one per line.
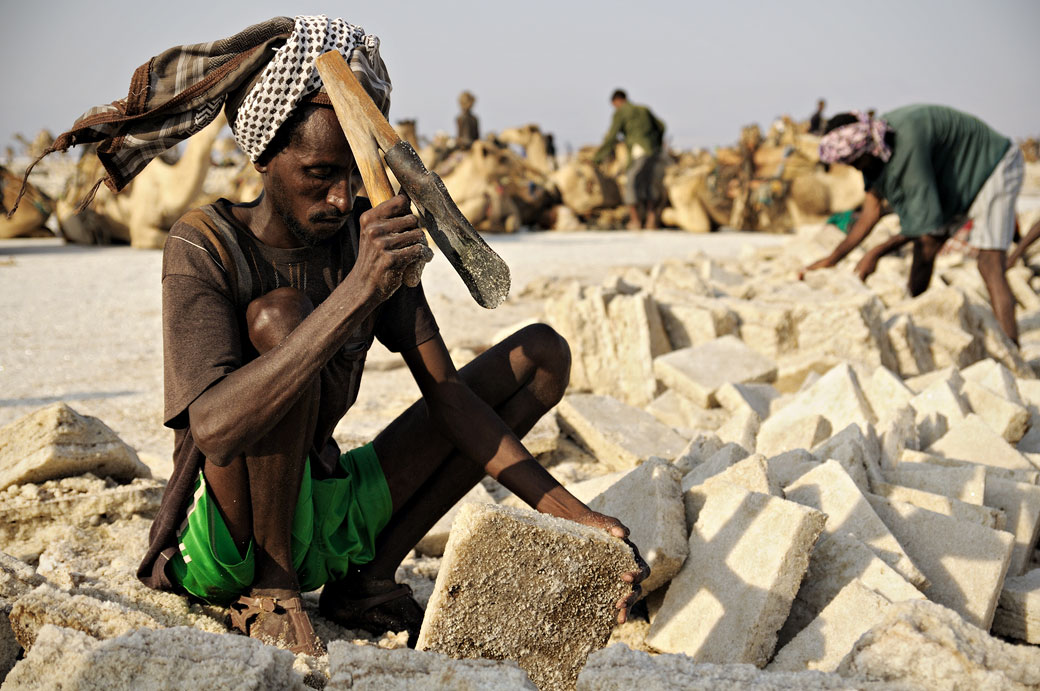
point(259, 75)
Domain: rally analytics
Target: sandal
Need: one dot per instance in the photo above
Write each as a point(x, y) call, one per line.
point(274, 621)
point(392, 610)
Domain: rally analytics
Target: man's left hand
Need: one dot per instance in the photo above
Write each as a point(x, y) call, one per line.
point(618, 529)
point(866, 266)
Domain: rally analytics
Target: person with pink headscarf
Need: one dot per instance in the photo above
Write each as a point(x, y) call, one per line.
point(937, 168)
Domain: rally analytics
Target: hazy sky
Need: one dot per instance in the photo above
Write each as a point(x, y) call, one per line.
point(704, 68)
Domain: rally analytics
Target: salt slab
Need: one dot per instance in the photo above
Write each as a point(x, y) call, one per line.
point(518, 585)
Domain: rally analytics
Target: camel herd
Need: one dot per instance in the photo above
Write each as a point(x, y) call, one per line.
point(503, 182)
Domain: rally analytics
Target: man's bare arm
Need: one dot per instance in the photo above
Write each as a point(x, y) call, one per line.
point(869, 215)
point(245, 405)
point(868, 263)
point(1023, 244)
point(476, 430)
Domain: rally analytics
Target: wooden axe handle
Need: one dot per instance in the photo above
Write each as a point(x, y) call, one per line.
point(366, 129)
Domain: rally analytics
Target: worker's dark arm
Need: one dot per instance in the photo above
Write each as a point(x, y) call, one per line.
point(246, 404)
point(477, 431)
point(606, 149)
point(868, 218)
point(1023, 245)
point(868, 263)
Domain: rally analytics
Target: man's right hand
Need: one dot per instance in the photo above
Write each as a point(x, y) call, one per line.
point(391, 242)
point(824, 263)
point(634, 578)
point(867, 265)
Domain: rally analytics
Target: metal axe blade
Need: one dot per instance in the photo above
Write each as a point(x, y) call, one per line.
point(485, 274)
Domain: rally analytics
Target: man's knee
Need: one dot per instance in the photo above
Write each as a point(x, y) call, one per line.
point(549, 352)
point(273, 316)
point(991, 263)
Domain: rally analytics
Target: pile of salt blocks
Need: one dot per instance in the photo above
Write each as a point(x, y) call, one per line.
point(828, 478)
point(836, 487)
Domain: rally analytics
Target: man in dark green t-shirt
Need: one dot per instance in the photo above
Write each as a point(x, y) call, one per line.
point(643, 134)
point(937, 167)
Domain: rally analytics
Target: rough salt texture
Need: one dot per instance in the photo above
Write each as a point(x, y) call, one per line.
point(100, 562)
point(896, 431)
point(649, 502)
point(966, 483)
point(787, 467)
point(858, 453)
point(837, 396)
point(972, 440)
point(619, 668)
point(778, 434)
point(1020, 502)
point(700, 448)
point(639, 337)
point(1009, 420)
point(947, 506)
point(829, 489)
point(829, 637)
point(837, 561)
point(56, 441)
point(367, 667)
point(48, 605)
point(619, 435)
point(563, 577)
point(748, 553)
point(928, 646)
point(16, 579)
point(1018, 610)
point(756, 397)
point(741, 428)
point(965, 562)
point(30, 515)
point(995, 377)
point(432, 544)
point(750, 473)
point(919, 459)
point(179, 658)
point(698, 371)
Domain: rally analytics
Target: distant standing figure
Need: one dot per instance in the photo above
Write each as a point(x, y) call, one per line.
point(817, 122)
point(550, 150)
point(466, 123)
point(643, 133)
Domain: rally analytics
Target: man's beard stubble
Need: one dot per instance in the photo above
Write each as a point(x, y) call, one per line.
point(304, 235)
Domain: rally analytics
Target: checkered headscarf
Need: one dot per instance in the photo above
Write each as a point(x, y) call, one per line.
point(291, 76)
point(848, 142)
point(259, 76)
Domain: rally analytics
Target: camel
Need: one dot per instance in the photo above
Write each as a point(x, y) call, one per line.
point(533, 142)
point(143, 212)
point(478, 181)
point(685, 186)
point(584, 187)
point(406, 130)
point(39, 144)
point(32, 213)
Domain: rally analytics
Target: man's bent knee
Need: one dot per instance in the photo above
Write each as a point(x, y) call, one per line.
point(273, 316)
point(991, 262)
point(549, 351)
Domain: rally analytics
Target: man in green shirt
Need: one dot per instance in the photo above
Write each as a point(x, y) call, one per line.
point(936, 167)
point(644, 184)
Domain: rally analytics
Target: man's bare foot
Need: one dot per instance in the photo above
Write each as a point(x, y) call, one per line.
point(376, 605)
point(275, 617)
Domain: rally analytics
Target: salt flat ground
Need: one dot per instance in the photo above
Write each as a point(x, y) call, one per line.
point(83, 324)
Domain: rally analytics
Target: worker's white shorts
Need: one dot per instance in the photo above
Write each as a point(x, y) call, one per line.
point(993, 211)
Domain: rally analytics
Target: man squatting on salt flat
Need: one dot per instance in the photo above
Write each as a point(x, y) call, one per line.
point(269, 308)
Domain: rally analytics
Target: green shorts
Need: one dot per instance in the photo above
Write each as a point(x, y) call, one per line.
point(335, 526)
